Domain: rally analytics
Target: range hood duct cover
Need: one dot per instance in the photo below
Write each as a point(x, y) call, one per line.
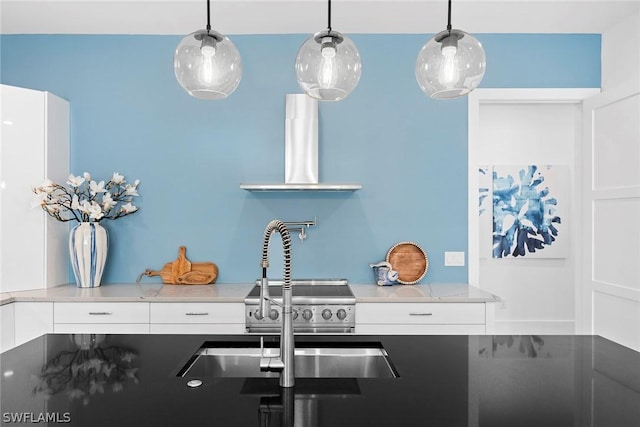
point(301, 139)
point(301, 150)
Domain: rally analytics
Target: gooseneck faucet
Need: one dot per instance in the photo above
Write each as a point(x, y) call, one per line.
point(284, 363)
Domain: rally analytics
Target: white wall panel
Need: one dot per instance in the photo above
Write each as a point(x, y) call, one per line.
point(616, 242)
point(611, 210)
point(621, 53)
point(527, 133)
point(616, 146)
point(617, 319)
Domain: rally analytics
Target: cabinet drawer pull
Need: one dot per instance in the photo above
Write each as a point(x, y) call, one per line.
point(197, 313)
point(420, 314)
point(100, 313)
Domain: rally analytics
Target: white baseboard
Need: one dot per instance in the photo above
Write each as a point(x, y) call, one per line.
point(535, 327)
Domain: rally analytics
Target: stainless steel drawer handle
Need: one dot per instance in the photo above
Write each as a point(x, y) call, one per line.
point(420, 314)
point(100, 313)
point(192, 313)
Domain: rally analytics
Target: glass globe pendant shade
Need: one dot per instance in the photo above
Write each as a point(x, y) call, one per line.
point(328, 66)
point(207, 65)
point(450, 65)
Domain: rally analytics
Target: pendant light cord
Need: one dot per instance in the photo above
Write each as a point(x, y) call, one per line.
point(329, 19)
point(449, 19)
point(208, 16)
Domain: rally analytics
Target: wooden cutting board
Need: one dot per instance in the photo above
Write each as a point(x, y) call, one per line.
point(181, 265)
point(184, 272)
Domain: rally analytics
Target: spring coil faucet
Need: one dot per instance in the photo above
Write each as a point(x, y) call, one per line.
point(285, 362)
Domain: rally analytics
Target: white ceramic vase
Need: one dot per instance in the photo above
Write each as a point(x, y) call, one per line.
point(87, 341)
point(88, 246)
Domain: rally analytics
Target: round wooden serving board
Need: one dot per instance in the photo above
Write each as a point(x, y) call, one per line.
point(409, 260)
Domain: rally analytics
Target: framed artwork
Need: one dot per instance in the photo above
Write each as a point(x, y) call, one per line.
point(529, 206)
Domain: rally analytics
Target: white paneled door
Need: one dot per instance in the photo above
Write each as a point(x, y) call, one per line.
point(611, 213)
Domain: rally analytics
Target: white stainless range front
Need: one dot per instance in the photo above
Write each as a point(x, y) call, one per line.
point(319, 306)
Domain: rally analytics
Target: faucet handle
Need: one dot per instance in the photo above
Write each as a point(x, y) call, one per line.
point(269, 363)
point(265, 299)
point(264, 360)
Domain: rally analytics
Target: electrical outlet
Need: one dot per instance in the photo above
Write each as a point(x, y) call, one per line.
point(454, 259)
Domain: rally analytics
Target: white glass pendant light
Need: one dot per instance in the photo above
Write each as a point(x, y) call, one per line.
point(451, 64)
point(207, 64)
point(328, 65)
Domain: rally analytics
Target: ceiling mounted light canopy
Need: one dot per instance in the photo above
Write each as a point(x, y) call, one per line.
point(328, 65)
point(207, 64)
point(451, 64)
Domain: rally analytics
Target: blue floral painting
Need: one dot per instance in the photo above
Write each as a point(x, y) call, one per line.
point(527, 215)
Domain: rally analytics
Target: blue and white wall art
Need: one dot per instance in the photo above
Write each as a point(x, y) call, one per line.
point(530, 211)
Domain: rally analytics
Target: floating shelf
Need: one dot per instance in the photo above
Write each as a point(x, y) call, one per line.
point(300, 187)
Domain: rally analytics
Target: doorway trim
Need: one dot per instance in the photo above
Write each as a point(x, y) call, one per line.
point(481, 97)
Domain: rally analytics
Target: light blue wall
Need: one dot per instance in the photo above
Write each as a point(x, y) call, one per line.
point(128, 114)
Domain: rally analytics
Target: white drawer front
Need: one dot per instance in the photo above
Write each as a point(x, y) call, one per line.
point(199, 329)
point(421, 313)
point(97, 328)
point(101, 312)
point(193, 312)
point(397, 329)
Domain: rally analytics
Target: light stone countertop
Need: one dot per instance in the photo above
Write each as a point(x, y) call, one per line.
point(431, 292)
point(112, 292)
point(133, 292)
point(235, 292)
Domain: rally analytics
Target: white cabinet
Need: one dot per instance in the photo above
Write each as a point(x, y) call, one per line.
point(23, 321)
point(101, 317)
point(197, 318)
point(32, 319)
point(7, 328)
point(421, 318)
point(34, 146)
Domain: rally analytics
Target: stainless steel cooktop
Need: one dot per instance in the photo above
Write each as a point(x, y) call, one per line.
point(326, 306)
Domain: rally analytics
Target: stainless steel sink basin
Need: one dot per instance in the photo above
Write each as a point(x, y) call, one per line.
point(327, 361)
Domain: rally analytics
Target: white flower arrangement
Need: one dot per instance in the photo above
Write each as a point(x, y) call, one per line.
point(85, 200)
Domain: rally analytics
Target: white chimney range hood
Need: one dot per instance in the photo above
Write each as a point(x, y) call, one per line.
point(301, 151)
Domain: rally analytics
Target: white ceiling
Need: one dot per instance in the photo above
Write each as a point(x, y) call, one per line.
point(307, 16)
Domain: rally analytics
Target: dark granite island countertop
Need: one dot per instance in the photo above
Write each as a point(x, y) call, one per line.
point(131, 380)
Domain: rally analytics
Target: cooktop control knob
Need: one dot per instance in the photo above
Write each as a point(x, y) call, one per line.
point(273, 314)
point(341, 314)
point(326, 314)
point(257, 315)
point(307, 314)
point(295, 314)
